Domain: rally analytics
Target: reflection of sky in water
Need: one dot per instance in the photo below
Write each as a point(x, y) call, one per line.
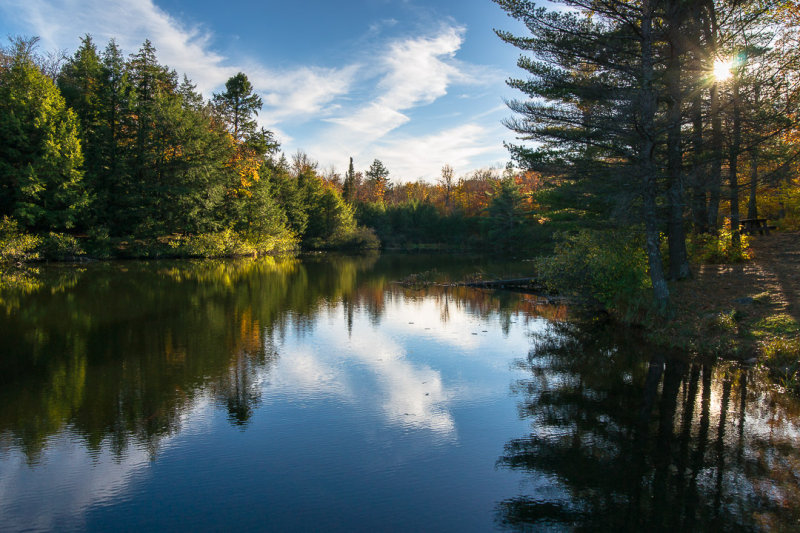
point(412, 367)
point(67, 479)
point(381, 407)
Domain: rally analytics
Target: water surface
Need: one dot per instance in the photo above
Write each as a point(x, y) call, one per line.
point(316, 394)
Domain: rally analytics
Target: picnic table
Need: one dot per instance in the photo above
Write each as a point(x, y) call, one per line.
point(752, 225)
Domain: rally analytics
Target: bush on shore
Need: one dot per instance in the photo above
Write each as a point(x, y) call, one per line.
point(609, 267)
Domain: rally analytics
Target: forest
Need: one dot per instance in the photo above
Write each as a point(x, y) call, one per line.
point(646, 132)
point(118, 156)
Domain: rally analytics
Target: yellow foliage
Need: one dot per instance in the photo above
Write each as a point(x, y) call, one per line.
point(245, 163)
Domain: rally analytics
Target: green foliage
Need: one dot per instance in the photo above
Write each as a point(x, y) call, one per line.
point(782, 359)
point(238, 106)
point(726, 322)
point(377, 171)
point(60, 247)
point(717, 249)
point(415, 224)
point(161, 162)
point(40, 154)
point(349, 186)
point(15, 244)
point(780, 324)
point(782, 207)
point(227, 243)
point(607, 266)
point(505, 223)
point(359, 238)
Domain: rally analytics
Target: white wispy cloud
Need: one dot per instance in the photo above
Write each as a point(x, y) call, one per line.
point(414, 157)
point(287, 93)
point(301, 93)
point(411, 73)
point(361, 107)
point(187, 49)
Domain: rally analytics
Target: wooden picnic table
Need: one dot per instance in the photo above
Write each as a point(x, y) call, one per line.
point(752, 225)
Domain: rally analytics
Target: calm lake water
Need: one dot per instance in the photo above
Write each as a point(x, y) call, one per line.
point(316, 394)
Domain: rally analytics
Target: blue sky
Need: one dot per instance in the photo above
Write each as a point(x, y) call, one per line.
point(417, 84)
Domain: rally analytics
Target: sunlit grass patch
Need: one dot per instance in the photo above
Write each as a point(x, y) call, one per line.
point(782, 358)
point(781, 324)
point(726, 321)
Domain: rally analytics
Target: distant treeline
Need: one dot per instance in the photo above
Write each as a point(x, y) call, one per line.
point(117, 155)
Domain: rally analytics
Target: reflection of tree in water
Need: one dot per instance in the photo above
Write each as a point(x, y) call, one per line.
point(117, 353)
point(130, 347)
point(239, 390)
point(620, 442)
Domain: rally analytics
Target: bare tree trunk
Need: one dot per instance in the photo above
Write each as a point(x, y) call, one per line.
point(715, 177)
point(733, 159)
point(678, 258)
point(699, 178)
point(752, 210)
point(647, 109)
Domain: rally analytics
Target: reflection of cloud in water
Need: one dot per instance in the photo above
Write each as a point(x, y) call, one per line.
point(408, 393)
point(412, 396)
point(303, 373)
point(67, 479)
point(418, 403)
point(66, 482)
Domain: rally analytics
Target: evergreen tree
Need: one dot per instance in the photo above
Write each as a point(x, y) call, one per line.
point(593, 106)
point(506, 216)
point(81, 82)
point(238, 106)
point(349, 187)
point(115, 103)
point(40, 153)
point(377, 178)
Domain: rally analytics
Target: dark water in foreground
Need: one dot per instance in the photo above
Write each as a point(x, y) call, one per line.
point(317, 395)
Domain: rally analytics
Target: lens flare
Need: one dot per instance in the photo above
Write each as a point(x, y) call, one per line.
point(723, 69)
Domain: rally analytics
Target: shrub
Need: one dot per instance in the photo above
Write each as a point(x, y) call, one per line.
point(608, 266)
point(15, 244)
point(782, 206)
point(782, 359)
point(60, 247)
point(361, 238)
point(227, 243)
point(718, 249)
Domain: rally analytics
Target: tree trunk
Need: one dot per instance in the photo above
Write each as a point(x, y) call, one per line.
point(715, 176)
point(752, 210)
point(647, 109)
point(678, 258)
point(733, 159)
point(698, 173)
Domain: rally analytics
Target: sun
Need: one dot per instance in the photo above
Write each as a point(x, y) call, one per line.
point(723, 69)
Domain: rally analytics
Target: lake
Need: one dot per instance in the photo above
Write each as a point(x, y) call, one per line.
point(317, 393)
